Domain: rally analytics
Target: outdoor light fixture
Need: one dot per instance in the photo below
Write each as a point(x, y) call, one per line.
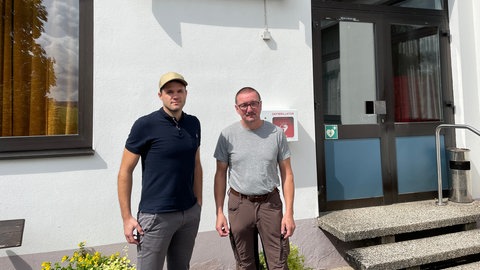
point(266, 34)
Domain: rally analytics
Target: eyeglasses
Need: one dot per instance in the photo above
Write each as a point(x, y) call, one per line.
point(253, 105)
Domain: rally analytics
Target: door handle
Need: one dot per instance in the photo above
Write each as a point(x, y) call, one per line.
point(375, 107)
point(449, 104)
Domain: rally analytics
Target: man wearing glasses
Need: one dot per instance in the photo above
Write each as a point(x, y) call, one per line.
point(168, 143)
point(251, 151)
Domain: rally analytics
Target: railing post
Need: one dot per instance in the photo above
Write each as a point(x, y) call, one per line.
point(437, 147)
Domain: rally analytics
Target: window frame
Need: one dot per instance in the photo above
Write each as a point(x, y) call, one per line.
point(65, 145)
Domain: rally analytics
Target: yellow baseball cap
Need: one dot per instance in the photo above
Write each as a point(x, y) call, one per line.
point(171, 76)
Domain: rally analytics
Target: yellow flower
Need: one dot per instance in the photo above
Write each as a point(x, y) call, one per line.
point(85, 259)
point(46, 265)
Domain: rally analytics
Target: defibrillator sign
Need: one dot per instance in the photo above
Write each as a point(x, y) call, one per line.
point(331, 132)
point(285, 119)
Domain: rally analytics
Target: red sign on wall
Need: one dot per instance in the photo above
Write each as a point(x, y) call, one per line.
point(286, 123)
point(285, 119)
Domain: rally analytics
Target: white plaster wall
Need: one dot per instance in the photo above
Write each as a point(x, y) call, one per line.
point(217, 46)
point(465, 52)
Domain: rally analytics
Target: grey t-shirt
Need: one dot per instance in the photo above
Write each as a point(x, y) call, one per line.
point(252, 156)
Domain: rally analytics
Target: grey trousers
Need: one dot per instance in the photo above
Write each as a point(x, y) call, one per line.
point(248, 220)
point(170, 235)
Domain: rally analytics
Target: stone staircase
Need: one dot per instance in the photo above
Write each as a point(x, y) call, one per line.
point(413, 235)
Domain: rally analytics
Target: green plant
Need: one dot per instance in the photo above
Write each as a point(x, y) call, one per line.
point(87, 259)
point(295, 260)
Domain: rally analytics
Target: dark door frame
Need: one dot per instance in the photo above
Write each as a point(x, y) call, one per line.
point(382, 16)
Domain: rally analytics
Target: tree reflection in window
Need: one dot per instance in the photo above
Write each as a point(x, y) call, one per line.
point(34, 69)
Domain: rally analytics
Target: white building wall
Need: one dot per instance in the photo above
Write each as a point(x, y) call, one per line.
point(217, 46)
point(465, 52)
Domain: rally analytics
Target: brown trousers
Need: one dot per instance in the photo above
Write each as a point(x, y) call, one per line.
point(248, 219)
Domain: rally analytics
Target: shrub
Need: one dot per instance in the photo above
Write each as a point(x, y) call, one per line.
point(85, 259)
point(295, 260)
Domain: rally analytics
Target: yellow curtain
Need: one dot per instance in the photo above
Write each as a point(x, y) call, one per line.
point(6, 58)
point(28, 74)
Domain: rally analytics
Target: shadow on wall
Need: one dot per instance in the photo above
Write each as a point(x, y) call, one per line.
point(17, 261)
point(246, 14)
point(302, 177)
point(62, 164)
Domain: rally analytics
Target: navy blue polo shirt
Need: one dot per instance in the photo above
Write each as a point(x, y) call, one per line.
point(167, 151)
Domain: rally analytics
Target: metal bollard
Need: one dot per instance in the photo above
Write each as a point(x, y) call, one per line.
point(460, 181)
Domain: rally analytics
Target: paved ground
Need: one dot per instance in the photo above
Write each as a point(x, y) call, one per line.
point(211, 252)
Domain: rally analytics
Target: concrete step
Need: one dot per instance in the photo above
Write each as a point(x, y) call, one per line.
point(411, 253)
point(387, 221)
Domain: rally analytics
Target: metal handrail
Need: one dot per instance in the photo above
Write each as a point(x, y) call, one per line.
point(437, 147)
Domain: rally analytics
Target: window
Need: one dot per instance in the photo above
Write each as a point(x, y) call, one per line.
point(416, 71)
point(46, 77)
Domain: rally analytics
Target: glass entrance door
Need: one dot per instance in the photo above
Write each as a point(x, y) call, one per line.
point(417, 88)
point(379, 94)
point(349, 83)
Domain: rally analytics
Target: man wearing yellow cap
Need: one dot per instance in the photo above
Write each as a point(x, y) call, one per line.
point(167, 141)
